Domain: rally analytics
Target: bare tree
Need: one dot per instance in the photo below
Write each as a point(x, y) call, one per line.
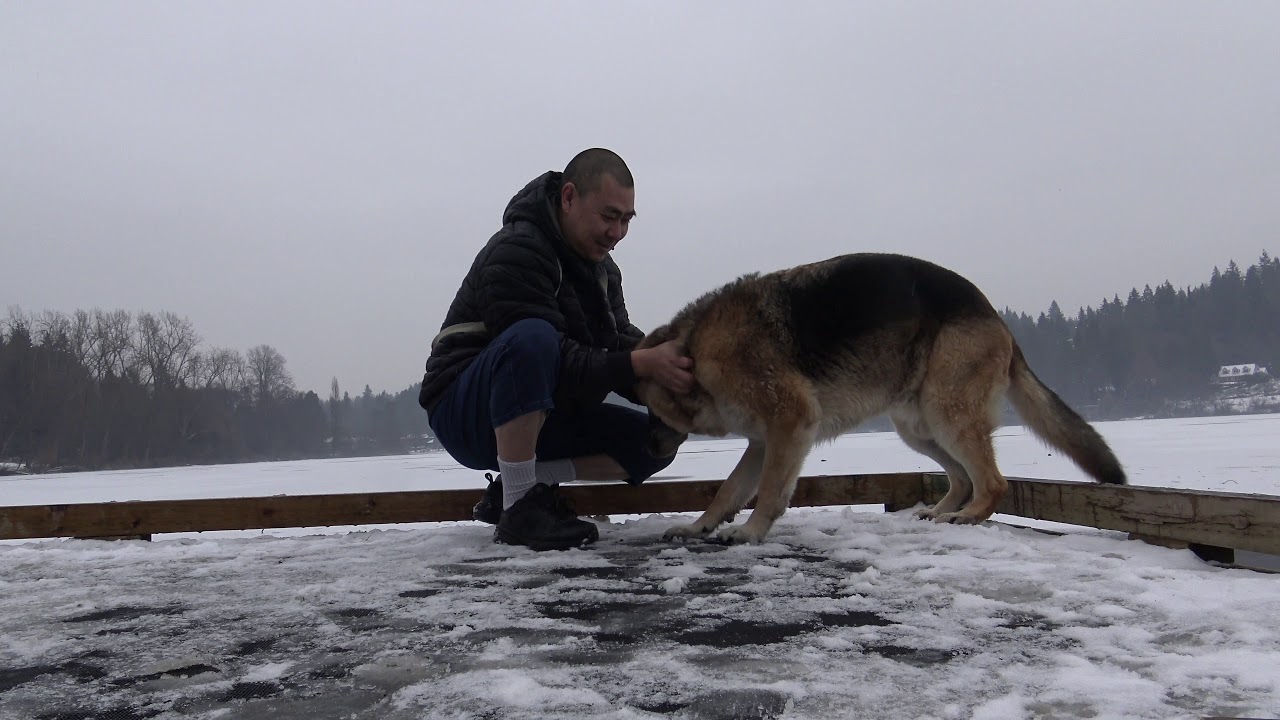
point(166, 345)
point(151, 351)
point(81, 338)
point(268, 380)
point(114, 347)
point(218, 369)
point(17, 322)
point(51, 328)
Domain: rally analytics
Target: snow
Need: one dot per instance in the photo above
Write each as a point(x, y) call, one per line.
point(843, 612)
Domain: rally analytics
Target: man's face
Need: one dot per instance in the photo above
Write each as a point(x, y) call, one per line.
point(593, 224)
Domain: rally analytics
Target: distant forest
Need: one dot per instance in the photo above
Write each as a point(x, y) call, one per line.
point(1139, 355)
point(110, 389)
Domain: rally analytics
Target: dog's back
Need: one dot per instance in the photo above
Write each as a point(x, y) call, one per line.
point(872, 314)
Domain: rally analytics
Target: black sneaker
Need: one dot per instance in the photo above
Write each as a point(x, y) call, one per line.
point(489, 509)
point(542, 520)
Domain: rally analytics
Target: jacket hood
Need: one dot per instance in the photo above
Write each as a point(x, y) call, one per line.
point(535, 203)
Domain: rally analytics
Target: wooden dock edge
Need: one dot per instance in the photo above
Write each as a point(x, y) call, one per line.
point(1184, 518)
point(1204, 522)
point(133, 519)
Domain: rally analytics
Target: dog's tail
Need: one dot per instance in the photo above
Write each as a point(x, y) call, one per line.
point(1058, 425)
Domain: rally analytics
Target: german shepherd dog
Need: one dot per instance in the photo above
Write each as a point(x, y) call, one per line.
point(803, 355)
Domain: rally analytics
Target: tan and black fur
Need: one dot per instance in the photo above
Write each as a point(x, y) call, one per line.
point(798, 356)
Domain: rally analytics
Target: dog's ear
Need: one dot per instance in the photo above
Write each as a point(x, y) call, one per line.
point(657, 336)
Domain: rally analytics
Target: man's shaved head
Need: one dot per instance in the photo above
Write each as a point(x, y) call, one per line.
point(588, 167)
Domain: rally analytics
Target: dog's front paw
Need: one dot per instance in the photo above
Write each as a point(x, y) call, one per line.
point(926, 514)
point(741, 535)
point(686, 532)
point(958, 518)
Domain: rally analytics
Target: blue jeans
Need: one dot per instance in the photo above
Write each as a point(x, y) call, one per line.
point(516, 374)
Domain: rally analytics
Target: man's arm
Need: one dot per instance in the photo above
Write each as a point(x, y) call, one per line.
point(630, 334)
point(521, 280)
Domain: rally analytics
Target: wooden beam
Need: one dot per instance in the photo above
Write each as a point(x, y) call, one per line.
point(696, 495)
point(1223, 520)
point(1242, 522)
point(167, 516)
point(139, 518)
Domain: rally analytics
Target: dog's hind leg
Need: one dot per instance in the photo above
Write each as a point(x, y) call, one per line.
point(959, 487)
point(974, 450)
point(960, 404)
point(733, 494)
point(786, 446)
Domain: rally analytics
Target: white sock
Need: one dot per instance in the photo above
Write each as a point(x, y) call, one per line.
point(554, 472)
point(517, 479)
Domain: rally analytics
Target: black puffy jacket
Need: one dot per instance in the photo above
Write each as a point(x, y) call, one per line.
point(527, 270)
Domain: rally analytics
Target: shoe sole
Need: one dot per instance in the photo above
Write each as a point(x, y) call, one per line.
point(507, 538)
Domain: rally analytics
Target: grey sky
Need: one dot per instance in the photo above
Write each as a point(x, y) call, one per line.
point(319, 176)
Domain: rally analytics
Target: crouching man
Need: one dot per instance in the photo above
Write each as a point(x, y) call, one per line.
point(535, 339)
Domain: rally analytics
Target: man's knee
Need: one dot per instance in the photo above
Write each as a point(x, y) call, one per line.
point(533, 340)
point(647, 469)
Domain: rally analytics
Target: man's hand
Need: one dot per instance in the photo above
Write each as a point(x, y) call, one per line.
point(664, 365)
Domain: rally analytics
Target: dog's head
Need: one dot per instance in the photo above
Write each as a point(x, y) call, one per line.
point(668, 422)
point(647, 390)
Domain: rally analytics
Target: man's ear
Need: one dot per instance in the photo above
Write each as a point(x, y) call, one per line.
point(568, 194)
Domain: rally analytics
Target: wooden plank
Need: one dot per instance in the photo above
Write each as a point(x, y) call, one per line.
point(163, 516)
point(139, 518)
point(696, 495)
point(1223, 520)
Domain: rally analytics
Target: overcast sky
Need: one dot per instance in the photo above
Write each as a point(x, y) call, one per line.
point(319, 176)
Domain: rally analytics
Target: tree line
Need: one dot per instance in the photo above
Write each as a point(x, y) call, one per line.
point(111, 389)
point(1157, 346)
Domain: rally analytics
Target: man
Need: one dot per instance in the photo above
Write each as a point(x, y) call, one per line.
point(535, 339)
